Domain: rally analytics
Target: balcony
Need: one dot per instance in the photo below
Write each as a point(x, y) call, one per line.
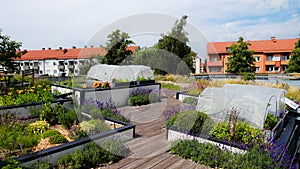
point(217, 63)
point(61, 66)
point(35, 67)
point(70, 66)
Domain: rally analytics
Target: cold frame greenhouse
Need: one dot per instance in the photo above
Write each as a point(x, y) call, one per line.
point(252, 102)
point(104, 72)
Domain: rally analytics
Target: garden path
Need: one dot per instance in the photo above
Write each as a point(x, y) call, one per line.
point(150, 148)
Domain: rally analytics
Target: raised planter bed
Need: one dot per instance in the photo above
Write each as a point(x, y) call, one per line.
point(145, 82)
point(124, 132)
point(173, 135)
point(181, 95)
point(119, 95)
point(24, 110)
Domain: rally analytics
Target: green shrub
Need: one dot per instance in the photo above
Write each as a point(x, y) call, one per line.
point(15, 136)
point(221, 131)
point(50, 113)
point(49, 133)
point(270, 122)
point(190, 100)
point(215, 157)
point(41, 165)
point(93, 155)
point(72, 160)
point(57, 139)
point(141, 99)
point(68, 119)
point(115, 150)
point(191, 122)
point(243, 133)
point(38, 127)
point(76, 133)
point(100, 113)
point(94, 126)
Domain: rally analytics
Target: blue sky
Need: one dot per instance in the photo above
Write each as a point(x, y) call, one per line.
point(54, 23)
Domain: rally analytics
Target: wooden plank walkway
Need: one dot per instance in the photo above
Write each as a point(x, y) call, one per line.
point(150, 148)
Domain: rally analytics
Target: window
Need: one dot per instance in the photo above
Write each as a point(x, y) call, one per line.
point(47, 63)
point(66, 63)
point(276, 58)
point(75, 62)
point(76, 71)
point(228, 49)
point(214, 59)
point(40, 63)
point(228, 59)
point(269, 68)
point(41, 72)
point(285, 57)
point(54, 63)
point(55, 71)
point(284, 67)
point(277, 69)
point(215, 69)
point(257, 69)
point(269, 58)
point(257, 58)
point(21, 64)
point(30, 64)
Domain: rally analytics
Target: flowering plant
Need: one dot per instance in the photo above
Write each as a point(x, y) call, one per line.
point(98, 84)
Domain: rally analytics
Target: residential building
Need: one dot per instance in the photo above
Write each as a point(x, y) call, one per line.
point(56, 62)
point(271, 56)
point(198, 65)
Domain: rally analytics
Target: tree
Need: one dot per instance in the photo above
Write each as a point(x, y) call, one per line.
point(117, 48)
point(294, 63)
point(241, 60)
point(176, 43)
point(8, 52)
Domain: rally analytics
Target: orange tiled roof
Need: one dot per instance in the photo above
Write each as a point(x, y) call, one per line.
point(259, 46)
point(61, 53)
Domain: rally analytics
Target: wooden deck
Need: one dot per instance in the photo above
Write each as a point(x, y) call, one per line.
point(150, 148)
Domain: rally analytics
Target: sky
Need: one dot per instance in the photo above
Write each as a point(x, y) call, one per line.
point(67, 23)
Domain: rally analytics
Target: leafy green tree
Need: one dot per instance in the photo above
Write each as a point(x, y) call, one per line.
point(117, 48)
point(294, 63)
point(8, 52)
point(241, 60)
point(176, 43)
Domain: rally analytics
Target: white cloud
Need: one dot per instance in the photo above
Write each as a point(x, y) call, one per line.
point(65, 23)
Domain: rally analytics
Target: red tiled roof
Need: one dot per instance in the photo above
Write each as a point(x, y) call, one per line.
point(72, 53)
point(260, 46)
point(133, 48)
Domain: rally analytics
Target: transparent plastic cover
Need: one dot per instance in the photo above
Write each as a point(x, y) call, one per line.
point(252, 102)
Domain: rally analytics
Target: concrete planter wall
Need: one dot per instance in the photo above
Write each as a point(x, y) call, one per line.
point(118, 95)
point(173, 135)
point(24, 109)
point(181, 95)
point(125, 133)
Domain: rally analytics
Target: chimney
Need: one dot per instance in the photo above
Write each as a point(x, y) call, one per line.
point(85, 46)
point(101, 46)
point(49, 48)
point(273, 38)
point(65, 51)
point(92, 46)
point(43, 48)
point(60, 48)
point(73, 47)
